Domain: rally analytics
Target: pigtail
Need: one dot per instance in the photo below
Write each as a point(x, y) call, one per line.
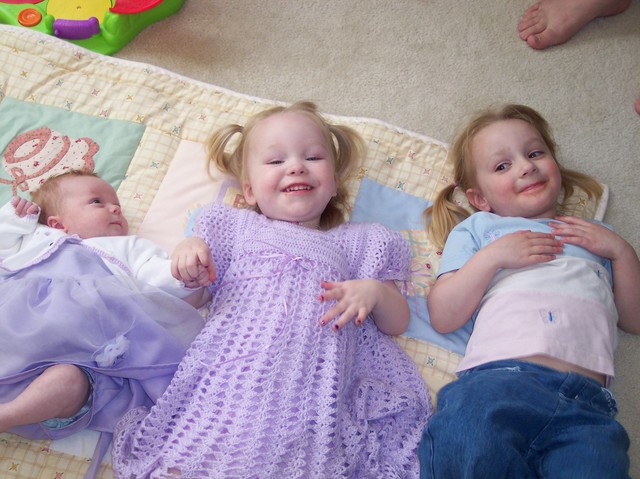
point(445, 212)
point(216, 145)
point(349, 150)
point(443, 215)
point(571, 180)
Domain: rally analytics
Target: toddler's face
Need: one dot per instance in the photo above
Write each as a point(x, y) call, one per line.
point(290, 169)
point(90, 208)
point(515, 172)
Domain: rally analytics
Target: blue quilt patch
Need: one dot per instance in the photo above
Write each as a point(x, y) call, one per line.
point(395, 209)
point(420, 328)
point(400, 211)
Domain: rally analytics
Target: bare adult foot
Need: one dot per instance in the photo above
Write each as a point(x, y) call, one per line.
point(552, 22)
point(638, 106)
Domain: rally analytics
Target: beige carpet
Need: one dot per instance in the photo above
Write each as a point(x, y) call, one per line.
point(423, 65)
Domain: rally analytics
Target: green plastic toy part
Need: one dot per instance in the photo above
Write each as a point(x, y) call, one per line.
point(104, 26)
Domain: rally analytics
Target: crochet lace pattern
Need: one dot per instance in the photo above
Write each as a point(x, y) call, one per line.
point(265, 391)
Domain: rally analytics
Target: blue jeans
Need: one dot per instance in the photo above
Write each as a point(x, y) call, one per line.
point(513, 419)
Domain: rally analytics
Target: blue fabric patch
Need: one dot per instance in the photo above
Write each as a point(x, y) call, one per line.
point(395, 209)
point(420, 328)
point(117, 141)
point(399, 211)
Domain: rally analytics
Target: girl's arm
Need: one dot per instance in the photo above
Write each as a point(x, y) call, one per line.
point(455, 296)
point(391, 313)
point(626, 289)
point(624, 263)
point(147, 263)
point(356, 299)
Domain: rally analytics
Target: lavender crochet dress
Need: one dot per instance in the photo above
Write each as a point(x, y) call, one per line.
point(265, 391)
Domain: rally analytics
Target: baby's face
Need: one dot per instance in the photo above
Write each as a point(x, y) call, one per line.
point(91, 208)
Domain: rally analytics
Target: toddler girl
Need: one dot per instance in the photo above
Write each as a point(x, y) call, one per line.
point(294, 374)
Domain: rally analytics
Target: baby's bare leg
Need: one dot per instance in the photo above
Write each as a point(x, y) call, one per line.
point(59, 392)
point(552, 22)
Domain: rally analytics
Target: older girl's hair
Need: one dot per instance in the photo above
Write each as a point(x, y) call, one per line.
point(445, 213)
point(48, 196)
point(345, 145)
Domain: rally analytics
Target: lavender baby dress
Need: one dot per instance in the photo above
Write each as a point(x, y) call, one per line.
point(68, 308)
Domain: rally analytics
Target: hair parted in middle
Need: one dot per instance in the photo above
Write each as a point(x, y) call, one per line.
point(346, 147)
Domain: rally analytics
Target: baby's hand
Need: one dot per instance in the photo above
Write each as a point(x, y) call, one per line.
point(24, 207)
point(192, 264)
point(355, 300)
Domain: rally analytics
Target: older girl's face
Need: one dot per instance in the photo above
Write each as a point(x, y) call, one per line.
point(289, 169)
point(515, 172)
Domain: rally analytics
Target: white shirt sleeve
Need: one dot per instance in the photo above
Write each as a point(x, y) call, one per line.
point(13, 229)
point(141, 260)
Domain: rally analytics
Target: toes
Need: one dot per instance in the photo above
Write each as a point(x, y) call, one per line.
point(534, 42)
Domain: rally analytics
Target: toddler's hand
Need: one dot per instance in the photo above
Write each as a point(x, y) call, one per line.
point(355, 300)
point(523, 248)
point(24, 207)
point(192, 264)
point(595, 238)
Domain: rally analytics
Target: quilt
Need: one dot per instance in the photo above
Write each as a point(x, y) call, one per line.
point(143, 129)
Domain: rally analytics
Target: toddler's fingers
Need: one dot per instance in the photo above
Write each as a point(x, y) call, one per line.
point(204, 261)
point(328, 285)
point(331, 291)
point(327, 317)
point(182, 269)
point(191, 284)
point(17, 202)
point(345, 318)
point(206, 276)
point(193, 269)
point(333, 313)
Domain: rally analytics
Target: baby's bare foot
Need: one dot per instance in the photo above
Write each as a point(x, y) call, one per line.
point(552, 22)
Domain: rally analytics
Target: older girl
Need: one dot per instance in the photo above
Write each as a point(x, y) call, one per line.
point(531, 398)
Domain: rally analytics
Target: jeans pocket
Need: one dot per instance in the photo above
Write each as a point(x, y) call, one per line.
point(605, 402)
